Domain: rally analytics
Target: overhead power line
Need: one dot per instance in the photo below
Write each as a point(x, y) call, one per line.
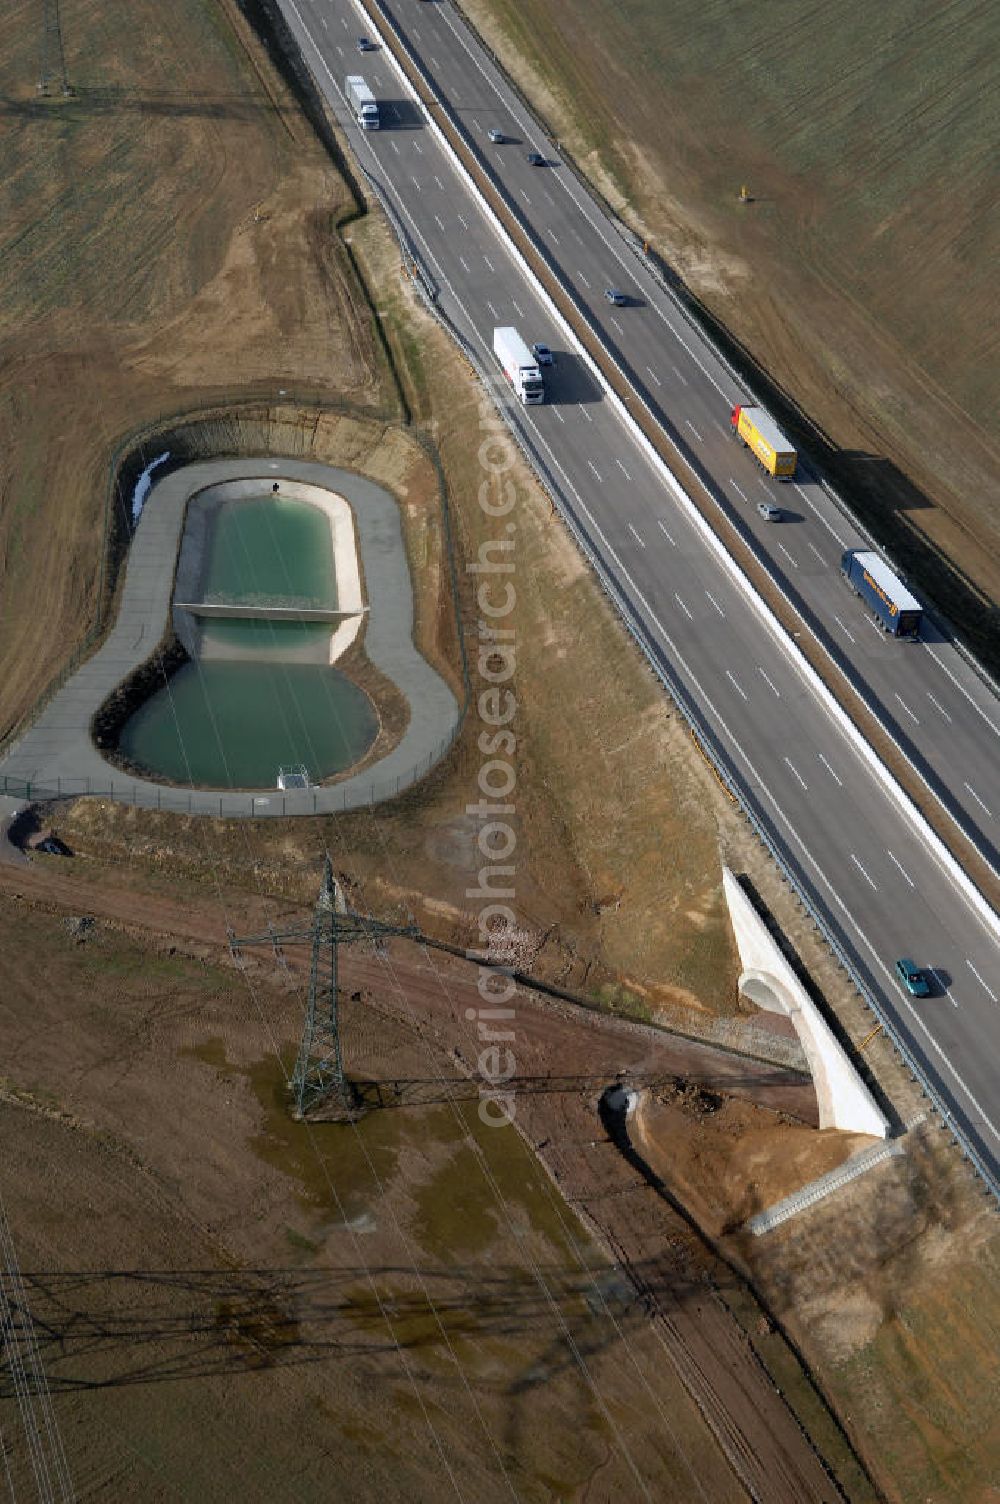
point(319, 1075)
point(52, 77)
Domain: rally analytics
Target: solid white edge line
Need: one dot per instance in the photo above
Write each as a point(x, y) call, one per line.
point(936, 847)
point(979, 901)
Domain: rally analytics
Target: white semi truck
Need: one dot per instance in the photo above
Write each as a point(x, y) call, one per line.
point(519, 365)
point(362, 101)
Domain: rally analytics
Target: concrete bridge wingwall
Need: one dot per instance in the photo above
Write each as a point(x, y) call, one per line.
point(769, 981)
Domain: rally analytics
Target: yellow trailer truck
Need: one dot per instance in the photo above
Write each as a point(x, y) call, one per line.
point(764, 438)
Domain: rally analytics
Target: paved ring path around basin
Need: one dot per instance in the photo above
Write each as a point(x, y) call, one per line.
point(56, 753)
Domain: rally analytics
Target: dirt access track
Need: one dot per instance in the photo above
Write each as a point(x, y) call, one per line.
point(565, 1059)
point(214, 1320)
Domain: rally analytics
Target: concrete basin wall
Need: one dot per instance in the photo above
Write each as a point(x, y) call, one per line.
point(56, 756)
point(189, 585)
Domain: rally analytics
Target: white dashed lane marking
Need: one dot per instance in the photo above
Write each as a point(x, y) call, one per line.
point(975, 796)
point(938, 706)
point(985, 986)
point(795, 772)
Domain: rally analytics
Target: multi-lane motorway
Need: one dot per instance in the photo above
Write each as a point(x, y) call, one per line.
point(869, 869)
point(921, 693)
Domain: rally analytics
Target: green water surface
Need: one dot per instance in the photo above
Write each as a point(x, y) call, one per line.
point(270, 549)
point(232, 724)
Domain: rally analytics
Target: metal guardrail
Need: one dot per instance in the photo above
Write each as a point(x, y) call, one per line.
point(843, 506)
point(653, 267)
point(699, 730)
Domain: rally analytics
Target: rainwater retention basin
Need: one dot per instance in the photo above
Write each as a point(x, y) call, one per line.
point(294, 666)
point(256, 607)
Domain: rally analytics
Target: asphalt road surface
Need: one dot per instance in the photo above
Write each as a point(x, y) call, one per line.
point(932, 702)
point(882, 891)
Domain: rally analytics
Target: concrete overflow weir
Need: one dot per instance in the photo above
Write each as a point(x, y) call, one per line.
point(192, 600)
point(56, 756)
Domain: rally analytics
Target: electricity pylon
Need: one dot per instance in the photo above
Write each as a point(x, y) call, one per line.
point(53, 72)
point(319, 1070)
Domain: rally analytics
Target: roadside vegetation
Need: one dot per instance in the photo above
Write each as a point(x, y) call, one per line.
point(858, 282)
point(143, 1099)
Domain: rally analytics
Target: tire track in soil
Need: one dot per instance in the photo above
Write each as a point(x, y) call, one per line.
point(708, 1349)
point(712, 1355)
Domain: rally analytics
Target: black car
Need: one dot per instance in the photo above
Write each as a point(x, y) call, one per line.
point(365, 44)
point(536, 159)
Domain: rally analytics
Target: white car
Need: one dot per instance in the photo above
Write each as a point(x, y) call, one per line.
point(497, 137)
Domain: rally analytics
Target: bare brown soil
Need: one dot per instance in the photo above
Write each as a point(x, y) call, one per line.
point(888, 1286)
point(209, 1279)
point(167, 235)
point(726, 1159)
point(188, 1249)
point(725, 1140)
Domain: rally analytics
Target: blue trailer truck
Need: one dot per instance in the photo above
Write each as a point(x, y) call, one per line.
point(896, 610)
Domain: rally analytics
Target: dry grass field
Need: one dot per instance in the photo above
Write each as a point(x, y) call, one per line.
point(412, 1301)
point(165, 235)
point(229, 1303)
point(862, 276)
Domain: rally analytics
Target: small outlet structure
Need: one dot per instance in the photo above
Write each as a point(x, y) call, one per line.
point(56, 756)
point(768, 980)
